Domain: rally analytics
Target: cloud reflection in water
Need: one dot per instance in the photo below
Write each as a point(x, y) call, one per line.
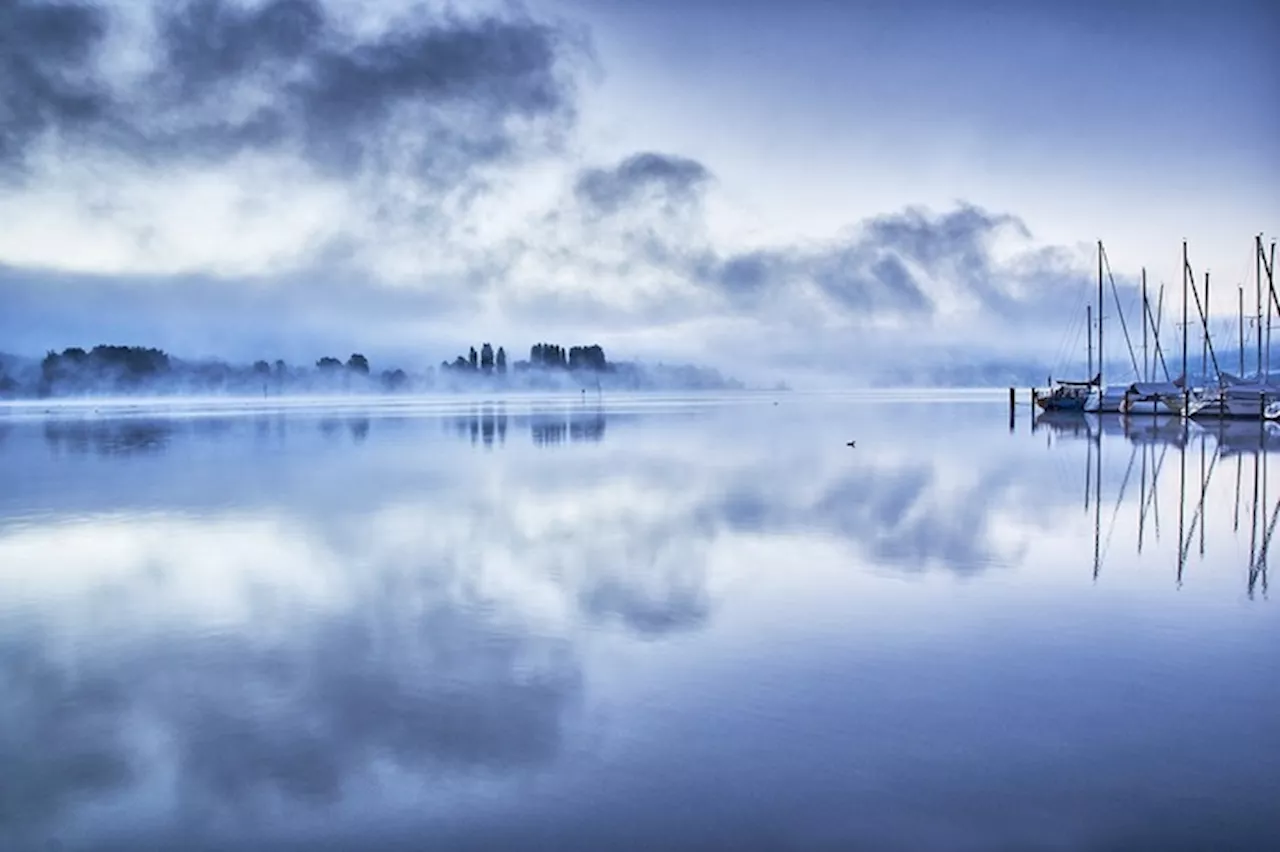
point(366, 625)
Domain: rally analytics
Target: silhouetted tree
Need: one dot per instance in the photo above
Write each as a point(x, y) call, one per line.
point(502, 361)
point(473, 358)
point(102, 366)
point(486, 358)
point(394, 379)
point(328, 365)
point(262, 368)
point(357, 363)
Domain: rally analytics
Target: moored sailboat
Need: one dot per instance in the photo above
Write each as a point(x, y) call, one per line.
point(1235, 397)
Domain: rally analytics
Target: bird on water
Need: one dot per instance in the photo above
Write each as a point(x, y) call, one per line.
point(852, 444)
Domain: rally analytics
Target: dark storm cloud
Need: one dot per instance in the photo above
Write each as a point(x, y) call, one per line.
point(47, 81)
point(639, 178)
point(431, 96)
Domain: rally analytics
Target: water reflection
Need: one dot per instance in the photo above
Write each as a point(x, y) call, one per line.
point(254, 633)
point(356, 428)
point(486, 425)
point(1199, 452)
point(108, 437)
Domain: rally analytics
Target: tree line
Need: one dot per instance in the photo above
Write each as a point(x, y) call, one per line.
point(106, 369)
point(542, 356)
point(126, 368)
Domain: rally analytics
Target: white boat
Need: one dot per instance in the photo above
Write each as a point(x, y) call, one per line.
point(1234, 398)
point(1154, 398)
point(1107, 400)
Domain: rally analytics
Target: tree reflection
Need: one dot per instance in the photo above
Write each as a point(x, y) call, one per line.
point(108, 437)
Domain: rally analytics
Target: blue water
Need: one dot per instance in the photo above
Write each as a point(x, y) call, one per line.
point(635, 623)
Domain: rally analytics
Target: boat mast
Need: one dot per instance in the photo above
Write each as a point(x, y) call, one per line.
point(1271, 286)
point(1145, 376)
point(1185, 326)
point(1204, 323)
point(1088, 321)
point(1241, 346)
point(1257, 286)
point(1156, 322)
point(1124, 327)
point(1101, 356)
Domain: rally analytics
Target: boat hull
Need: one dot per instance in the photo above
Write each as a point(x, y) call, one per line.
point(1108, 400)
point(1058, 403)
point(1233, 405)
point(1152, 406)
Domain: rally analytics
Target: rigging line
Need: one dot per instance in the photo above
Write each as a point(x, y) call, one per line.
point(1151, 494)
point(1158, 323)
point(1204, 490)
point(1124, 327)
point(1119, 499)
point(1155, 498)
point(1208, 340)
point(1266, 540)
point(1070, 335)
point(1154, 323)
point(1082, 329)
point(1266, 267)
point(1070, 343)
point(1235, 525)
point(1069, 332)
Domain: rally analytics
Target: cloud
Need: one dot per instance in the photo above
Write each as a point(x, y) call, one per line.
point(47, 73)
point(366, 178)
point(641, 177)
point(915, 263)
point(427, 96)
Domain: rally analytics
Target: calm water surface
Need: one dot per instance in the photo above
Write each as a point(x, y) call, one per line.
point(635, 623)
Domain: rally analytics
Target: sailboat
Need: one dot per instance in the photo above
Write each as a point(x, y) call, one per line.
point(1236, 397)
point(1108, 399)
point(1148, 396)
point(1066, 395)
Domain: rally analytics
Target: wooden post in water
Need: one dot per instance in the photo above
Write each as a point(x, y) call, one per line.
point(1013, 394)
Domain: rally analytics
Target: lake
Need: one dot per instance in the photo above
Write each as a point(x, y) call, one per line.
point(646, 622)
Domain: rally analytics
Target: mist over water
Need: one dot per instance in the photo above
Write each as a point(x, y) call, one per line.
point(590, 621)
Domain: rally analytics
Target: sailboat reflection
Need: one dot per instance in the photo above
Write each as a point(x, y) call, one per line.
point(1202, 452)
point(1158, 429)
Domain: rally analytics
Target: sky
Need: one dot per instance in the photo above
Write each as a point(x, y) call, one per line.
point(775, 189)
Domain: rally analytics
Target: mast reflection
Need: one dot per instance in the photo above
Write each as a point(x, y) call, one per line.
point(1245, 449)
